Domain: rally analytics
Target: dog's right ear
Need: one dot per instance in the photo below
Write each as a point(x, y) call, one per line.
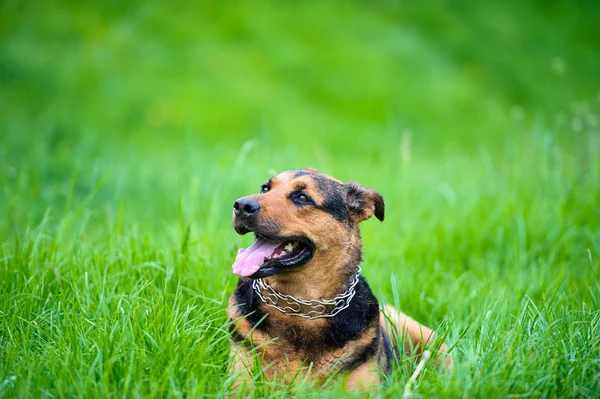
point(364, 202)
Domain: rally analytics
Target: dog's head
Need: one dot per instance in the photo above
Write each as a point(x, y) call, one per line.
point(302, 218)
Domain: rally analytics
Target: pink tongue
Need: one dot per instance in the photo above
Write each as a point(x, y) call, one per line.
point(248, 260)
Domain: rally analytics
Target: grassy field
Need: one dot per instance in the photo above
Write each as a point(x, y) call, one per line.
point(128, 129)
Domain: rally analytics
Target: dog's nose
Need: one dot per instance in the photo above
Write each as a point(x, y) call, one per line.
point(246, 207)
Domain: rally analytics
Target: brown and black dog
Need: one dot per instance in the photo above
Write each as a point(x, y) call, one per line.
point(300, 301)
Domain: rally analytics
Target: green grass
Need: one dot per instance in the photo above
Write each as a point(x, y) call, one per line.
point(128, 129)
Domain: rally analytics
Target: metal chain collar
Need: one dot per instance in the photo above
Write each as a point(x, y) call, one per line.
point(293, 306)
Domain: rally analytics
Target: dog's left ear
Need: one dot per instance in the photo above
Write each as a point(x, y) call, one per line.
point(364, 202)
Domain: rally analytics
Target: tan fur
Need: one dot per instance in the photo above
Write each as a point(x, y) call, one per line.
point(364, 377)
point(414, 334)
point(240, 367)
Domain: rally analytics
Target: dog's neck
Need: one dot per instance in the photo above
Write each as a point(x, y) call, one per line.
point(301, 307)
point(324, 277)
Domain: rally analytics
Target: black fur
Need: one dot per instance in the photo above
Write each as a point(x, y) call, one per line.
point(334, 202)
point(359, 358)
point(388, 352)
point(261, 225)
point(235, 335)
point(246, 301)
point(350, 323)
point(358, 198)
point(300, 173)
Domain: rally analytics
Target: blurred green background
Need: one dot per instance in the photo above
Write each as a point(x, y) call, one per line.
point(128, 129)
point(88, 89)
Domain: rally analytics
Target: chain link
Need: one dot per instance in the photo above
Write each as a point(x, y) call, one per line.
point(293, 306)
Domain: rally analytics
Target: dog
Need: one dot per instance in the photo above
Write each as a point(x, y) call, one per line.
point(300, 304)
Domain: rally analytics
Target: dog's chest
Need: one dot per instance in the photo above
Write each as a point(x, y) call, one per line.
point(303, 341)
point(298, 335)
point(292, 348)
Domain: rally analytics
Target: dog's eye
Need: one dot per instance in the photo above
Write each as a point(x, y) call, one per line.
point(302, 198)
point(264, 189)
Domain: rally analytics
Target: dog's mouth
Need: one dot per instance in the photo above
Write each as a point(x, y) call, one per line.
point(270, 255)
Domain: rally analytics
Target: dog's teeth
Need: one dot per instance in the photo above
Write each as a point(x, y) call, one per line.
point(289, 247)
